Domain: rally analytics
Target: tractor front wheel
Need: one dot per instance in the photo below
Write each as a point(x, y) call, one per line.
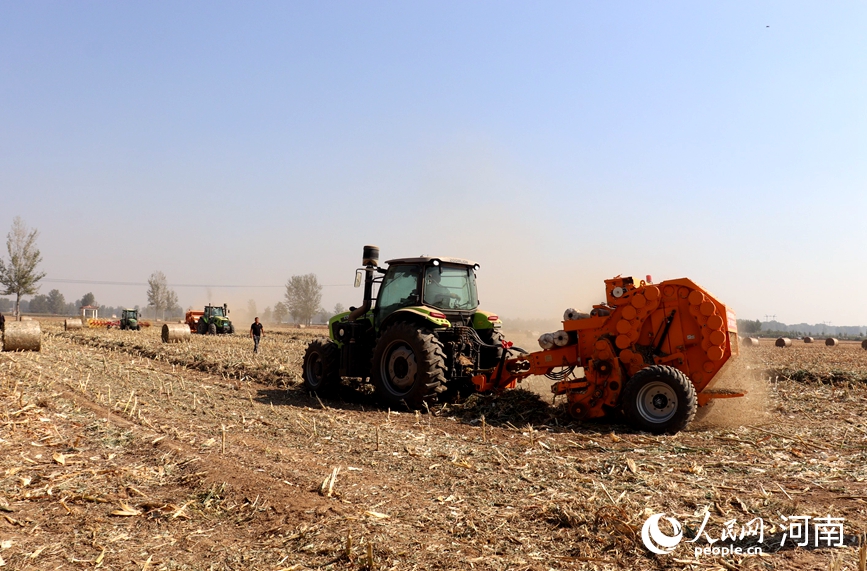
point(212, 329)
point(321, 365)
point(231, 329)
point(659, 399)
point(408, 365)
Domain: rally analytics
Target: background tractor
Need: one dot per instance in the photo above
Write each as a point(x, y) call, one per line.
point(212, 321)
point(129, 319)
point(421, 335)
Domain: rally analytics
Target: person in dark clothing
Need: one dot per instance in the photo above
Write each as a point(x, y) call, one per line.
point(256, 332)
point(2, 323)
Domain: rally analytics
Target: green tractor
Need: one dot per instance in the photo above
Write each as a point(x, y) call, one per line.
point(215, 320)
point(129, 319)
point(421, 335)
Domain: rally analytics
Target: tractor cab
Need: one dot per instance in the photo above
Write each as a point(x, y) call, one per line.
point(441, 287)
point(129, 319)
point(215, 311)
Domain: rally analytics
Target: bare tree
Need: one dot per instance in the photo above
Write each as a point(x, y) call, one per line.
point(160, 296)
point(303, 294)
point(19, 276)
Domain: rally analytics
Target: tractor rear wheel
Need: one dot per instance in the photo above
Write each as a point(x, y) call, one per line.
point(491, 356)
point(408, 365)
point(659, 399)
point(212, 329)
point(201, 326)
point(321, 365)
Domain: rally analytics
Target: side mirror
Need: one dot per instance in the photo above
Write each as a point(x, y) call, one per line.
point(358, 277)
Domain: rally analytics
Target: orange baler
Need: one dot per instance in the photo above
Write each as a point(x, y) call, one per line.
point(651, 351)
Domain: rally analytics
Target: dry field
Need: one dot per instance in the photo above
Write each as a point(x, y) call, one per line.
point(120, 452)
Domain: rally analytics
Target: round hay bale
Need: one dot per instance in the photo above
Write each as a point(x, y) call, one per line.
point(808, 339)
point(783, 342)
point(176, 333)
point(749, 342)
point(72, 324)
point(831, 342)
point(22, 336)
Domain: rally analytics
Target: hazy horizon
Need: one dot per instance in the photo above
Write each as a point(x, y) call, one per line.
point(557, 145)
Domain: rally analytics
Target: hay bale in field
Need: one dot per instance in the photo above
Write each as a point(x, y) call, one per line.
point(808, 339)
point(831, 342)
point(176, 333)
point(750, 342)
point(783, 342)
point(22, 336)
point(72, 324)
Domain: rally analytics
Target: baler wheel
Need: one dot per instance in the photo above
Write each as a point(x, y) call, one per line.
point(659, 399)
point(321, 366)
point(408, 365)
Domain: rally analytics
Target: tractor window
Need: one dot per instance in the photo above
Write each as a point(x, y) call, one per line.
point(217, 312)
point(399, 289)
point(452, 287)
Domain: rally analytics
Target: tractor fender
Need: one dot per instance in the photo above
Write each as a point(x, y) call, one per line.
point(482, 320)
point(419, 314)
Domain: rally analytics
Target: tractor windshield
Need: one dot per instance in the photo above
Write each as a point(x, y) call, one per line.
point(217, 312)
point(450, 287)
point(399, 289)
point(129, 314)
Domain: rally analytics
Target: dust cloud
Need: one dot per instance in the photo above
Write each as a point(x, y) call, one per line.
point(740, 374)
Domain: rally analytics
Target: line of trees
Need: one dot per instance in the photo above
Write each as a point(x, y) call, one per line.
point(20, 276)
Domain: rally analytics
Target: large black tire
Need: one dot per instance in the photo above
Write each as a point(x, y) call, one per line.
point(408, 365)
point(231, 329)
point(491, 357)
point(321, 365)
point(201, 326)
point(212, 329)
point(659, 399)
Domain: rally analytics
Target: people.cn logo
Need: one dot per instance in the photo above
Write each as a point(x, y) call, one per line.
point(657, 541)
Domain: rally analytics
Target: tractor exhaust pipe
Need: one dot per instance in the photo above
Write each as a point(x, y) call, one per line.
point(370, 260)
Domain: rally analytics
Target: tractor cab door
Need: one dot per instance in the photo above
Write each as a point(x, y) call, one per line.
point(400, 288)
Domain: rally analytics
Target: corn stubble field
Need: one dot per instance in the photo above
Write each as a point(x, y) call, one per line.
point(121, 452)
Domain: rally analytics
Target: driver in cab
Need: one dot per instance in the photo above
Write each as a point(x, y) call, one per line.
point(434, 292)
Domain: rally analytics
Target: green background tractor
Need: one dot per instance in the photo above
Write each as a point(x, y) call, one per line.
point(420, 336)
point(215, 320)
point(129, 319)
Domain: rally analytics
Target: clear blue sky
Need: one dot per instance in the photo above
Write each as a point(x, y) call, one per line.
point(558, 144)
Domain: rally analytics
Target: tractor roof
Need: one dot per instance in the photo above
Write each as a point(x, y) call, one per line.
point(128, 309)
point(427, 259)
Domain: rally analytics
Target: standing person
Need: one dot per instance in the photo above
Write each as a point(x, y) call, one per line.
point(2, 323)
point(256, 332)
